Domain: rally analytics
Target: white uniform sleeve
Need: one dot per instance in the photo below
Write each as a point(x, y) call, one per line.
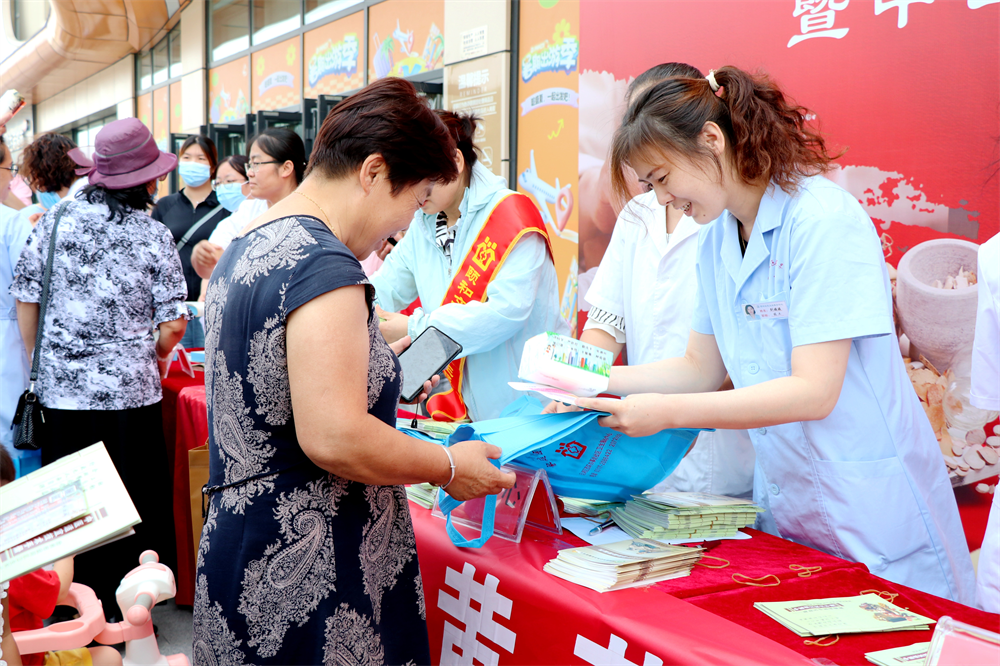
point(838, 285)
point(985, 392)
point(480, 327)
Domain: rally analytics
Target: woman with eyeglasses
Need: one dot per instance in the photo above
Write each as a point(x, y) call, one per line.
point(277, 161)
point(192, 214)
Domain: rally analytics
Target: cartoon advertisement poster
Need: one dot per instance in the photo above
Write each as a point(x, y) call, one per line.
point(227, 92)
point(478, 87)
point(334, 57)
point(276, 77)
point(176, 107)
point(868, 71)
point(407, 38)
point(144, 110)
point(548, 130)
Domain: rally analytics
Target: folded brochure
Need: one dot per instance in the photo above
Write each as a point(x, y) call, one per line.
point(562, 368)
point(866, 613)
point(71, 505)
point(914, 655)
point(624, 564)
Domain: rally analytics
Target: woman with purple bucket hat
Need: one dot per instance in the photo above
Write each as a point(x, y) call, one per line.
point(115, 279)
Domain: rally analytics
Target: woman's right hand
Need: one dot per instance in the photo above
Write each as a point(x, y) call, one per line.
point(556, 407)
point(475, 475)
point(204, 257)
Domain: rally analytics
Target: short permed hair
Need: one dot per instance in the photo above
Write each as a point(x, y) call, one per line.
point(390, 119)
point(45, 164)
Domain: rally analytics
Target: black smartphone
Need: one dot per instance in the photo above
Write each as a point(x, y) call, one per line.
point(426, 356)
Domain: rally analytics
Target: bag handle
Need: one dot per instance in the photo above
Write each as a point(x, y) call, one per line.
point(43, 304)
point(196, 226)
point(449, 503)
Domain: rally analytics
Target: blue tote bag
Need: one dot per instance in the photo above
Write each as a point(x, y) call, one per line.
point(581, 458)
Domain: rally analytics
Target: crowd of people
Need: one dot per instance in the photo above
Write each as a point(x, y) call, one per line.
point(317, 270)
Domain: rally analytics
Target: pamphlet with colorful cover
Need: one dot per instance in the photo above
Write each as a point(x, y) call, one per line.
point(71, 505)
point(866, 613)
point(561, 368)
point(630, 563)
point(912, 655)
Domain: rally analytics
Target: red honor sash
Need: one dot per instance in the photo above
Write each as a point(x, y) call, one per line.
point(513, 218)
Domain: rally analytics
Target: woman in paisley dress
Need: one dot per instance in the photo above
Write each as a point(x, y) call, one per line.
point(308, 554)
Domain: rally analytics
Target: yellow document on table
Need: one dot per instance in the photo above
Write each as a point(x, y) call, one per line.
point(908, 654)
point(71, 505)
point(843, 615)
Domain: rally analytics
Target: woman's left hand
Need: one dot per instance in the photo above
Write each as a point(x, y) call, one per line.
point(638, 415)
point(398, 347)
point(394, 325)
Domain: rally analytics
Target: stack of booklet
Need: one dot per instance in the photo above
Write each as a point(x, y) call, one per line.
point(72, 505)
point(669, 516)
point(616, 566)
point(422, 494)
point(587, 507)
point(866, 613)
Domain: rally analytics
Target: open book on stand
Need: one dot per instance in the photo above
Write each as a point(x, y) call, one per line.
point(69, 506)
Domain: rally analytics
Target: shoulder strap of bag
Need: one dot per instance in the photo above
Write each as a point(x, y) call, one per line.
point(46, 279)
point(196, 226)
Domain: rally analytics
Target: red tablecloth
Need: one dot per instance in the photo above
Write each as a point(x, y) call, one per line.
point(536, 618)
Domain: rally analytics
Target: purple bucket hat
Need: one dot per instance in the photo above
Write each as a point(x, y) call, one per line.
point(125, 155)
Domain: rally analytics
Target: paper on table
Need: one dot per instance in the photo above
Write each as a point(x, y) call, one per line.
point(908, 654)
point(843, 615)
point(581, 527)
point(109, 515)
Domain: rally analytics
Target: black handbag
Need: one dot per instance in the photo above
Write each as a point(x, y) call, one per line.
point(29, 417)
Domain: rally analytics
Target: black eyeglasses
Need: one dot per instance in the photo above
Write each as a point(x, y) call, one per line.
point(253, 166)
point(13, 168)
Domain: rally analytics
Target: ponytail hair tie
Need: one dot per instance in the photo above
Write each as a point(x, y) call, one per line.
point(713, 84)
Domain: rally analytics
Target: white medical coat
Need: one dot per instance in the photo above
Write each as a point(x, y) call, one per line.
point(652, 284)
point(985, 394)
point(522, 300)
point(867, 482)
point(14, 366)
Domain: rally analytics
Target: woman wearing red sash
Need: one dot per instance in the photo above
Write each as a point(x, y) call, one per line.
point(478, 258)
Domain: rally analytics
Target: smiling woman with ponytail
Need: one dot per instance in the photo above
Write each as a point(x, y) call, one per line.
point(846, 459)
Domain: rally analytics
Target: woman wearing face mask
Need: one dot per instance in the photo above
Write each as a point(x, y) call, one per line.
point(276, 163)
point(48, 170)
point(477, 255)
point(231, 184)
point(192, 214)
point(847, 461)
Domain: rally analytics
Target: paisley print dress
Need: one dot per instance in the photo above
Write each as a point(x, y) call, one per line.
point(296, 565)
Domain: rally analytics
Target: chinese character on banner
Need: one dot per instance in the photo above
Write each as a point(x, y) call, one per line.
point(902, 5)
point(815, 22)
point(477, 622)
point(593, 653)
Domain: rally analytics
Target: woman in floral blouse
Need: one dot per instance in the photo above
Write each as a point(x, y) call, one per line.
point(115, 279)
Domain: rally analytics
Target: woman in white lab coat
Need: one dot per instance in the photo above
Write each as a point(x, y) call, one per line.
point(846, 459)
point(985, 394)
point(642, 299)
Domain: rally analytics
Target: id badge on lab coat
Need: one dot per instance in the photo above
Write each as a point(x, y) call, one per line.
point(769, 310)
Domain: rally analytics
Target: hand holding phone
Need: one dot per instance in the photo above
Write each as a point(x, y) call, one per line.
point(427, 356)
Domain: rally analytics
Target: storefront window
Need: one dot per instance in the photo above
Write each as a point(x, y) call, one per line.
point(273, 18)
point(230, 27)
point(176, 69)
point(145, 64)
point(317, 9)
point(161, 63)
point(29, 16)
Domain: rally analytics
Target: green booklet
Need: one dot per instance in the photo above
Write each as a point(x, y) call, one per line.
point(843, 615)
point(909, 654)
